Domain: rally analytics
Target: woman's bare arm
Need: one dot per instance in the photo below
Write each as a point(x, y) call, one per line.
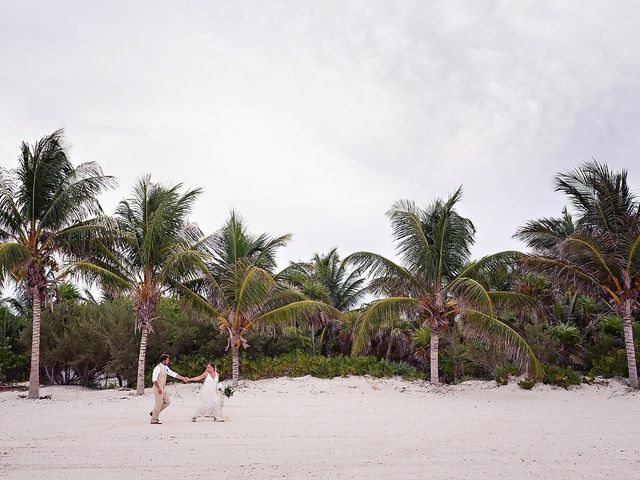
point(199, 377)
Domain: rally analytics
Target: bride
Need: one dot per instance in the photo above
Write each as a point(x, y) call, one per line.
point(211, 395)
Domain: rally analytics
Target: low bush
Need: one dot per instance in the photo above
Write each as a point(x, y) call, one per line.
point(613, 364)
point(300, 364)
point(504, 372)
point(526, 384)
point(561, 377)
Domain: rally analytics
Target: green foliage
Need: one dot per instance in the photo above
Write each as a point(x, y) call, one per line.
point(612, 325)
point(325, 278)
point(13, 366)
point(77, 342)
point(13, 363)
point(83, 342)
point(566, 334)
point(299, 364)
point(608, 357)
point(504, 372)
point(526, 384)
point(461, 361)
point(561, 377)
point(613, 364)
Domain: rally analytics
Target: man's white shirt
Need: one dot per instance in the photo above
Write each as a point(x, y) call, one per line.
point(156, 372)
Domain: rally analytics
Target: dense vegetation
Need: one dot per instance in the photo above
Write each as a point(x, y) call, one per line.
point(564, 312)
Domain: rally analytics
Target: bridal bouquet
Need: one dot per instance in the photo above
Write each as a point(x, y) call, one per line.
point(228, 391)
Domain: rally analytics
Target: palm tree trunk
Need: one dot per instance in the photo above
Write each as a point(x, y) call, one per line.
point(141, 358)
point(235, 365)
point(434, 355)
point(628, 342)
point(390, 343)
point(313, 339)
point(34, 374)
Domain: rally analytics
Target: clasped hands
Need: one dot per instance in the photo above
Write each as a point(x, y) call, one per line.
point(186, 379)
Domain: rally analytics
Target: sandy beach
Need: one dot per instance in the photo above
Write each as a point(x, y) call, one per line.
point(359, 428)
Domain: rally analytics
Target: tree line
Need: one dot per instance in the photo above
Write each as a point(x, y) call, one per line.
point(571, 301)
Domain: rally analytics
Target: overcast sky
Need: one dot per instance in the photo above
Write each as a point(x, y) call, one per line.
point(312, 117)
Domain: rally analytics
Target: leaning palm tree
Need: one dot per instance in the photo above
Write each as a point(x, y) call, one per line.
point(239, 289)
point(49, 213)
point(435, 285)
point(153, 249)
point(329, 279)
point(599, 254)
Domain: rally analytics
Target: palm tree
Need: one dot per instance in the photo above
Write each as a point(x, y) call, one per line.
point(599, 254)
point(396, 332)
point(435, 283)
point(154, 249)
point(48, 214)
point(328, 279)
point(239, 289)
point(66, 292)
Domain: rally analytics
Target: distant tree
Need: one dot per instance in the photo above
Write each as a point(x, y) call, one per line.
point(328, 279)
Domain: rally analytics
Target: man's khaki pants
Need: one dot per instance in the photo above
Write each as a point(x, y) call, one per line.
point(162, 402)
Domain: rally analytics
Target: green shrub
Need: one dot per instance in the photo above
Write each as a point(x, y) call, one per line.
point(504, 372)
point(613, 364)
point(300, 364)
point(13, 366)
point(612, 325)
point(526, 384)
point(561, 377)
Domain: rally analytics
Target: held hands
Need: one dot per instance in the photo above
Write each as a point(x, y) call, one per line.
point(186, 379)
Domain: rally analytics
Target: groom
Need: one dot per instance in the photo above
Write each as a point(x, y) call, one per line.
point(159, 378)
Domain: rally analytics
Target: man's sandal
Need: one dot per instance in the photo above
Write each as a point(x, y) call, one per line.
point(156, 423)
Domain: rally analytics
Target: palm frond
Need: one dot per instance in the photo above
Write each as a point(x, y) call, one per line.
point(592, 256)
point(562, 272)
point(471, 293)
point(377, 313)
point(93, 272)
point(380, 267)
point(491, 264)
point(292, 311)
point(12, 255)
point(190, 295)
point(514, 301)
point(601, 196)
point(453, 236)
point(76, 197)
point(249, 288)
point(547, 233)
point(413, 246)
point(633, 258)
point(501, 337)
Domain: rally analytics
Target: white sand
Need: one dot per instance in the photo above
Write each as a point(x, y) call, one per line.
point(342, 428)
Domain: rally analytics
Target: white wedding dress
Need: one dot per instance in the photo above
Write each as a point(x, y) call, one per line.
point(211, 397)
